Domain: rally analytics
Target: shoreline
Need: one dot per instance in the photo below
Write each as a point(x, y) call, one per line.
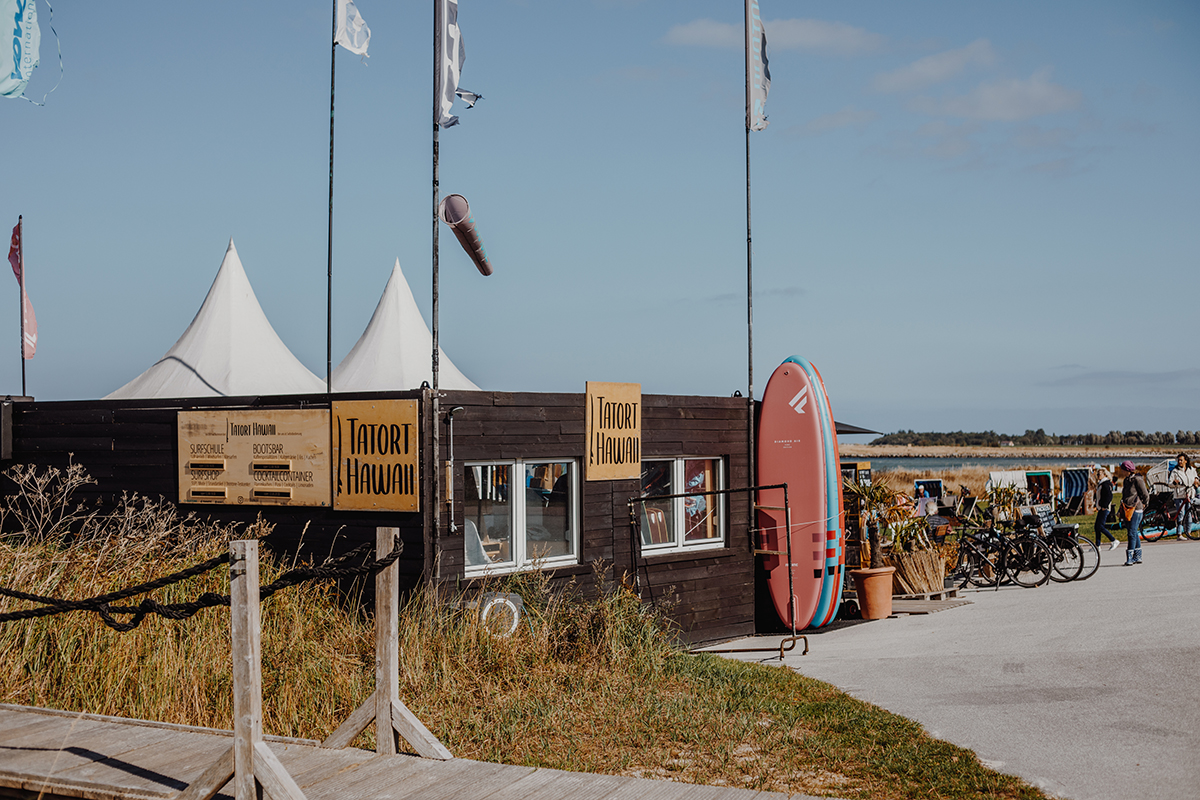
point(1100, 453)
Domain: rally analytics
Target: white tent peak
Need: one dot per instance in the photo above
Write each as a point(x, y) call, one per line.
point(394, 352)
point(230, 349)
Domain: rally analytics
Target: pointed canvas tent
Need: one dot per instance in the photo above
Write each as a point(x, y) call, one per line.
point(230, 349)
point(394, 351)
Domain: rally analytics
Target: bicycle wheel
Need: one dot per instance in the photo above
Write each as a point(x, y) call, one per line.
point(1028, 562)
point(1091, 559)
point(977, 563)
point(1193, 531)
point(1154, 525)
point(1068, 561)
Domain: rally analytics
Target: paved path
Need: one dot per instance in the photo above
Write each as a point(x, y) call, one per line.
point(1088, 690)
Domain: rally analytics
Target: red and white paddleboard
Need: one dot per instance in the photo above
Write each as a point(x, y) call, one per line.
point(791, 450)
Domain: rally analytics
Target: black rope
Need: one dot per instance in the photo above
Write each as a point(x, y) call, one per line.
point(330, 568)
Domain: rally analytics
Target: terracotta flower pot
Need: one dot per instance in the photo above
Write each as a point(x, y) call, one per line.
point(874, 588)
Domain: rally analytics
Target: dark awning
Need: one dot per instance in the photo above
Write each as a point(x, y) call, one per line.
point(842, 429)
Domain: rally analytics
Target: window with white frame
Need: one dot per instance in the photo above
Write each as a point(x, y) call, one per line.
point(520, 513)
point(688, 522)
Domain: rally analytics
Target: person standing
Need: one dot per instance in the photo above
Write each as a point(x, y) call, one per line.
point(1183, 482)
point(1134, 497)
point(1104, 499)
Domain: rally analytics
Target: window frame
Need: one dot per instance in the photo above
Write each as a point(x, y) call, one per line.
point(680, 544)
point(519, 560)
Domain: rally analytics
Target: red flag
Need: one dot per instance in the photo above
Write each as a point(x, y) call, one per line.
point(29, 330)
point(14, 251)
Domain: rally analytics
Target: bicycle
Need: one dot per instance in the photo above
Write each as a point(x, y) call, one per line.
point(1161, 516)
point(1074, 558)
point(989, 557)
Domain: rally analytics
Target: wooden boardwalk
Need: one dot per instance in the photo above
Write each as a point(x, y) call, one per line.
point(56, 754)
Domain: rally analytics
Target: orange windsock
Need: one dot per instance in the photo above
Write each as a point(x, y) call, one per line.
point(455, 212)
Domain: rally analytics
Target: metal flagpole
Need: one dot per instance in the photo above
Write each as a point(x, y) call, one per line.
point(438, 57)
point(21, 299)
point(329, 262)
point(749, 281)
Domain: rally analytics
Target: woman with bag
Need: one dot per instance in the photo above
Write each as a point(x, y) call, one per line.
point(1134, 497)
point(1183, 482)
point(1104, 499)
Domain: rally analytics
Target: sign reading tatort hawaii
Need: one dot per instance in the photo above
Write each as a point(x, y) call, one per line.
point(614, 431)
point(254, 457)
point(375, 453)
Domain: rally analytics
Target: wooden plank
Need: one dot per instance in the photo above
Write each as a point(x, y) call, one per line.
point(158, 768)
point(245, 632)
point(387, 644)
point(377, 778)
point(15, 727)
point(18, 711)
point(275, 780)
point(311, 769)
point(210, 781)
point(478, 781)
point(22, 445)
point(411, 777)
point(355, 724)
point(416, 734)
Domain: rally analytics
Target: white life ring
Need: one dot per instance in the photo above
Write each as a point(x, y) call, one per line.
point(500, 615)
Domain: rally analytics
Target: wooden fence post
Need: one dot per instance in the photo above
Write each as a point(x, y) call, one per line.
point(387, 642)
point(245, 643)
point(384, 707)
point(255, 769)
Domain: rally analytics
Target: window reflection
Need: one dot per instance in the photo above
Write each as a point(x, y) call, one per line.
point(699, 512)
point(487, 514)
point(658, 516)
point(548, 502)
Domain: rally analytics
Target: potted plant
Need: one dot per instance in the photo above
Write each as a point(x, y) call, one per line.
point(878, 503)
point(920, 566)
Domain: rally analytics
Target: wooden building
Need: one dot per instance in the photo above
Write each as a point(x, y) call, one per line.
point(519, 482)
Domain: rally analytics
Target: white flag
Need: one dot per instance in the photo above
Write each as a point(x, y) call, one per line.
point(19, 46)
point(450, 56)
point(352, 31)
point(758, 76)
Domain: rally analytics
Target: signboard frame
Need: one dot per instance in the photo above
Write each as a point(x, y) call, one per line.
point(376, 455)
point(613, 426)
point(259, 457)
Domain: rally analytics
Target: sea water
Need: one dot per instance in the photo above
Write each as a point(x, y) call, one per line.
point(923, 464)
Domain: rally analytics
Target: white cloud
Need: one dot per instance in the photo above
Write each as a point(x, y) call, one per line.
point(706, 33)
point(814, 35)
point(949, 142)
point(936, 68)
point(835, 38)
point(1006, 101)
point(847, 117)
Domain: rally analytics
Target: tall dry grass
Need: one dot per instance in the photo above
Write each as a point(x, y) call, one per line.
point(591, 680)
point(318, 653)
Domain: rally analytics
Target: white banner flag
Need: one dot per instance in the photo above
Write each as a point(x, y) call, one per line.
point(450, 57)
point(757, 73)
point(352, 31)
point(19, 46)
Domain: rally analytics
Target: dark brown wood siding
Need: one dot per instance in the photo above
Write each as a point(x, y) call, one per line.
point(130, 446)
point(709, 593)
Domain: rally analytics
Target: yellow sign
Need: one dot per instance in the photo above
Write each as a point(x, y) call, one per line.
point(614, 431)
point(376, 447)
point(276, 458)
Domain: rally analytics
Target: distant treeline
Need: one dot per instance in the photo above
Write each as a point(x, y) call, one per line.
point(1038, 437)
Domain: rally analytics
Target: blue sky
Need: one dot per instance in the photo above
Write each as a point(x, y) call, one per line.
point(968, 216)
